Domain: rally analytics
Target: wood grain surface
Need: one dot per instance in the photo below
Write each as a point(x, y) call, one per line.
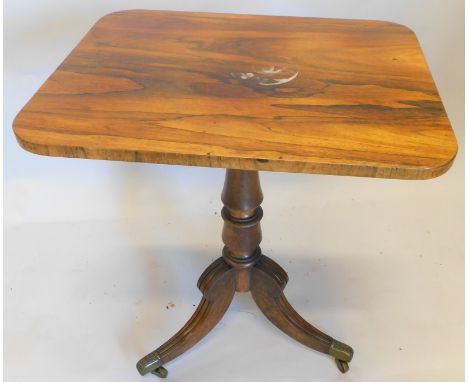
point(326, 96)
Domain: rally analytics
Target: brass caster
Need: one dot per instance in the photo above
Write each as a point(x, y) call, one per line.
point(161, 372)
point(342, 354)
point(151, 363)
point(342, 365)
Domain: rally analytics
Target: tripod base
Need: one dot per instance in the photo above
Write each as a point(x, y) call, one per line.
point(243, 268)
point(266, 281)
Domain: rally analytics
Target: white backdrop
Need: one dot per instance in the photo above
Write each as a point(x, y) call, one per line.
point(93, 249)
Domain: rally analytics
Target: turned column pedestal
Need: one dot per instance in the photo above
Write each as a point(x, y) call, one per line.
point(243, 268)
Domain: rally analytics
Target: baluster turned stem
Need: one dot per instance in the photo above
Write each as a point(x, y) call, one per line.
point(242, 213)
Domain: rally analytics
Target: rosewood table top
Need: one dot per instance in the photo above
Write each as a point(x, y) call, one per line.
point(325, 96)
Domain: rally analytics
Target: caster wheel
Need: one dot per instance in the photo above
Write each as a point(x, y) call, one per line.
point(161, 372)
point(342, 353)
point(342, 365)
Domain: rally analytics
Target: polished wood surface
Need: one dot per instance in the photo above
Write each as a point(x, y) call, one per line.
point(327, 96)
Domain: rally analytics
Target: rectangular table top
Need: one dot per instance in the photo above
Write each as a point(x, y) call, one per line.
point(326, 96)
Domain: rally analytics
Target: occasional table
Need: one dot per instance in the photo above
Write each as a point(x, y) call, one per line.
point(249, 94)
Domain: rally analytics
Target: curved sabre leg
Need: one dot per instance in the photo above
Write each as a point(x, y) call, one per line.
point(217, 284)
point(267, 283)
